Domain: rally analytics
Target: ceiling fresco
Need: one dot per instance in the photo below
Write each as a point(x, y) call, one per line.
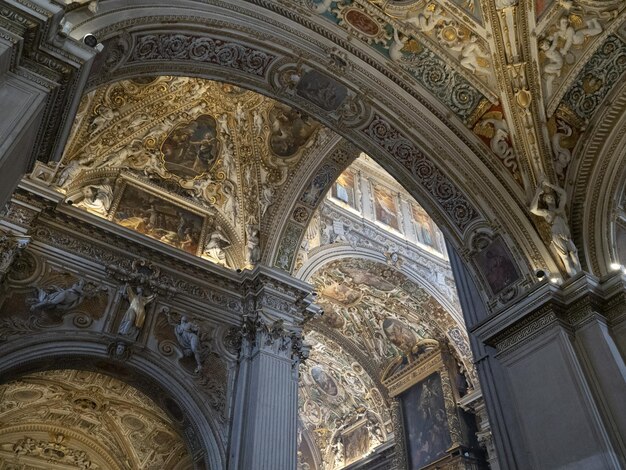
point(336, 394)
point(195, 164)
point(380, 310)
point(373, 316)
point(70, 419)
point(468, 55)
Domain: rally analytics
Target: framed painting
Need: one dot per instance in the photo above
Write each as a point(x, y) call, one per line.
point(427, 232)
point(148, 213)
point(344, 189)
point(425, 422)
point(355, 443)
point(386, 207)
point(496, 265)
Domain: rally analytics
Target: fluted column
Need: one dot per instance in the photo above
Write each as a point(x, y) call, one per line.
point(264, 431)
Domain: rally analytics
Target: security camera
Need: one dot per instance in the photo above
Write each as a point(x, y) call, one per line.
point(321, 312)
point(541, 274)
point(90, 40)
point(238, 270)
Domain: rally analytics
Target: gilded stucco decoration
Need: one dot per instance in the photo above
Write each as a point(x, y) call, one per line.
point(397, 310)
point(337, 397)
point(191, 163)
point(85, 420)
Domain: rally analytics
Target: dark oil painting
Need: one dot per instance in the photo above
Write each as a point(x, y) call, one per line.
point(192, 149)
point(159, 219)
point(356, 443)
point(425, 420)
point(496, 265)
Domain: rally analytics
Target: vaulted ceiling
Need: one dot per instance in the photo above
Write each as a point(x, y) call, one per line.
point(69, 419)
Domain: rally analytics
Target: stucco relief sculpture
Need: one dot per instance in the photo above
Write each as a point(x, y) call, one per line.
point(395, 50)
point(97, 198)
point(187, 333)
point(472, 56)
point(135, 315)
point(10, 249)
point(253, 247)
point(562, 155)
point(553, 199)
point(214, 249)
point(427, 20)
point(59, 298)
point(494, 127)
point(571, 31)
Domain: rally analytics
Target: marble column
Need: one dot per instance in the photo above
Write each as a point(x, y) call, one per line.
point(553, 377)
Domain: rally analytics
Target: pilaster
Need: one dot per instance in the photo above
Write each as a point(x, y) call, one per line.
point(566, 375)
point(264, 433)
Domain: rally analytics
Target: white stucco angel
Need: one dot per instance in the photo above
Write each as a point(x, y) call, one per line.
point(240, 115)
point(552, 68)
point(395, 49)
point(562, 155)
point(214, 249)
point(253, 245)
point(323, 6)
point(135, 315)
point(258, 122)
point(71, 171)
point(97, 197)
point(554, 199)
point(471, 54)
point(573, 37)
point(222, 124)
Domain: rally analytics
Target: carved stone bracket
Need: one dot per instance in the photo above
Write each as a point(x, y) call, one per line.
point(144, 274)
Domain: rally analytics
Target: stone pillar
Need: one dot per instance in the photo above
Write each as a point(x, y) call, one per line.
point(42, 75)
point(505, 429)
point(566, 377)
point(264, 435)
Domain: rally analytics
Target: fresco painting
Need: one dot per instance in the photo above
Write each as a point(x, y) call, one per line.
point(399, 334)
point(157, 218)
point(291, 130)
point(496, 265)
point(427, 232)
point(324, 381)
point(386, 207)
point(343, 189)
point(192, 149)
point(355, 443)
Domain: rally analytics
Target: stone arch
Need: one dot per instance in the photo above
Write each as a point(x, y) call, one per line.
point(452, 331)
point(166, 387)
point(329, 253)
point(415, 142)
point(598, 182)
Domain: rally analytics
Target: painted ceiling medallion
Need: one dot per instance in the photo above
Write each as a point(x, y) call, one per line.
point(192, 149)
point(367, 28)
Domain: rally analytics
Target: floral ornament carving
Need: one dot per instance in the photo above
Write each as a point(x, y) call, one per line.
point(451, 199)
point(201, 49)
point(597, 78)
point(11, 247)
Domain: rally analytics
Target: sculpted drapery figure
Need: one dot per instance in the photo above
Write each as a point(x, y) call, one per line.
point(187, 334)
point(135, 315)
point(554, 214)
point(63, 299)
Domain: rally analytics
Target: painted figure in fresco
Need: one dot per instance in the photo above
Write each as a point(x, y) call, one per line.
point(400, 335)
point(290, 130)
point(135, 315)
point(324, 381)
point(554, 214)
point(192, 149)
point(58, 298)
